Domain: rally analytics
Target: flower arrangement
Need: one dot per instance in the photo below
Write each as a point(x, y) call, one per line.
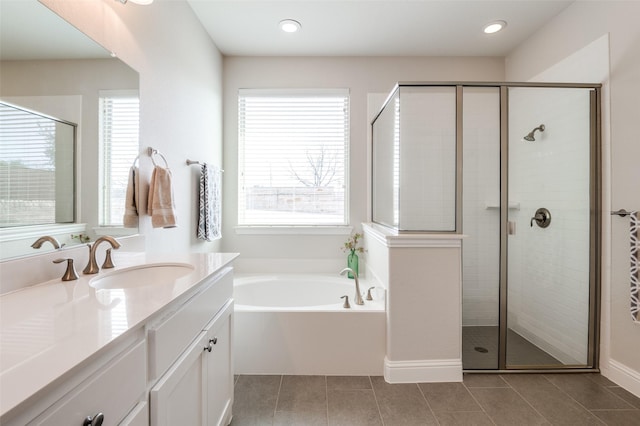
point(351, 245)
point(81, 237)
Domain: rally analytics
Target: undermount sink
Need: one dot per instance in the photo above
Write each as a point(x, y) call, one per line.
point(143, 275)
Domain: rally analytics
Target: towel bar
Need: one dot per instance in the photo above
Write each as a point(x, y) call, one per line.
point(192, 162)
point(621, 213)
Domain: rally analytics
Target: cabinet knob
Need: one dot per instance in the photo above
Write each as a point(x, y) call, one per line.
point(211, 343)
point(94, 421)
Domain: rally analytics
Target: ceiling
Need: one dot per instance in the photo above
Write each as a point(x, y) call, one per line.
point(371, 27)
point(329, 28)
point(29, 30)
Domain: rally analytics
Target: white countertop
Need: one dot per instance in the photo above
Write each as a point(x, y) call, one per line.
point(48, 329)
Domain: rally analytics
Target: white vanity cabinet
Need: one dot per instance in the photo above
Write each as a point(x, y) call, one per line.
point(170, 364)
point(197, 387)
point(112, 392)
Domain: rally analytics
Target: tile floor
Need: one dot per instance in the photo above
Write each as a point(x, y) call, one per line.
point(482, 399)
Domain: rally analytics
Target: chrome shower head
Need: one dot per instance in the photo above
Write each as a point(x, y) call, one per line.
point(530, 137)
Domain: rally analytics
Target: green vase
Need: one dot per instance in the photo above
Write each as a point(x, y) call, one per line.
point(352, 262)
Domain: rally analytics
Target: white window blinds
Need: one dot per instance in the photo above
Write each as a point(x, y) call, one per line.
point(293, 155)
point(30, 147)
point(119, 117)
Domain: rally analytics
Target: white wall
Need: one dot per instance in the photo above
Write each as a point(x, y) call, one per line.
point(576, 27)
point(362, 75)
point(180, 90)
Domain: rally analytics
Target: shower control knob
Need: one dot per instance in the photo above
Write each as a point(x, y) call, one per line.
point(542, 218)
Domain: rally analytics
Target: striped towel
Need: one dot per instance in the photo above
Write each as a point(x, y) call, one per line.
point(634, 237)
point(210, 215)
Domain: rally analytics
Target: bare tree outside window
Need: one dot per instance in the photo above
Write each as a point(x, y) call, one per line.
point(321, 168)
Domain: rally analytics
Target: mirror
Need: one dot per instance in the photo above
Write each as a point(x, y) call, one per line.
point(48, 66)
point(36, 168)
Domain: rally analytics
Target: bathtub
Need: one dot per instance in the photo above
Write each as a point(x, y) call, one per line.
point(296, 324)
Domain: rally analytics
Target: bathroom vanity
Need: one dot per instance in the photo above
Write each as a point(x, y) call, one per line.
point(148, 342)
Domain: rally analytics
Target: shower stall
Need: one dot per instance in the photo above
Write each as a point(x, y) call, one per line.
point(514, 167)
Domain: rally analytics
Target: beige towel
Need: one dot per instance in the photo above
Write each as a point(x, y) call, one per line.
point(160, 206)
point(130, 218)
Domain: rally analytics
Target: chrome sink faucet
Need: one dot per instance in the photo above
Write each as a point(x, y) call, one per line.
point(92, 266)
point(358, 298)
point(40, 241)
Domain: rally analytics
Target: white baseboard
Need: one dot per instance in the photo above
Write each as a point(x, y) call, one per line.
point(623, 376)
point(423, 371)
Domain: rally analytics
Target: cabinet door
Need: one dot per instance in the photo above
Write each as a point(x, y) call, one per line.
point(179, 396)
point(220, 370)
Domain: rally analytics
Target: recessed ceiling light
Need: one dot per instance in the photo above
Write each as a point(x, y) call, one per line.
point(494, 27)
point(290, 26)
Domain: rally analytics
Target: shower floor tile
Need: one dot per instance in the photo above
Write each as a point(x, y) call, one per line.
point(480, 349)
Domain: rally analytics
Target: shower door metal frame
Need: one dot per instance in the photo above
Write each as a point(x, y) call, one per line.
point(595, 222)
point(595, 227)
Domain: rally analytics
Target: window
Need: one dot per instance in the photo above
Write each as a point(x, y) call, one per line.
point(293, 153)
point(36, 168)
point(119, 114)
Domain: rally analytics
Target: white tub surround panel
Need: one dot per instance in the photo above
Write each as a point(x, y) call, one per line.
point(296, 324)
point(50, 332)
point(339, 342)
point(424, 303)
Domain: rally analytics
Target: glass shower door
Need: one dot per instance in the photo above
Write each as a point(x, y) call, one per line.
point(549, 228)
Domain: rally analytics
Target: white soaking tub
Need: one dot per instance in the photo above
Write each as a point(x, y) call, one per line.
point(296, 324)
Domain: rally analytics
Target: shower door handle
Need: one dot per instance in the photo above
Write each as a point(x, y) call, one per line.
point(542, 218)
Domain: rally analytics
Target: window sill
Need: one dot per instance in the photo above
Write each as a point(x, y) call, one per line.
point(114, 231)
point(36, 231)
point(294, 230)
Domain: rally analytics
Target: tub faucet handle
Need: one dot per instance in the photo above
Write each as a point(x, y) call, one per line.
point(346, 302)
point(369, 297)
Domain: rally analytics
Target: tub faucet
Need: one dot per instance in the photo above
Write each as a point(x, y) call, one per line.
point(358, 298)
point(40, 241)
point(92, 266)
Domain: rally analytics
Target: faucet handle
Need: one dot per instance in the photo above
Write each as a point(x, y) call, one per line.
point(108, 263)
point(70, 274)
point(369, 297)
point(346, 302)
